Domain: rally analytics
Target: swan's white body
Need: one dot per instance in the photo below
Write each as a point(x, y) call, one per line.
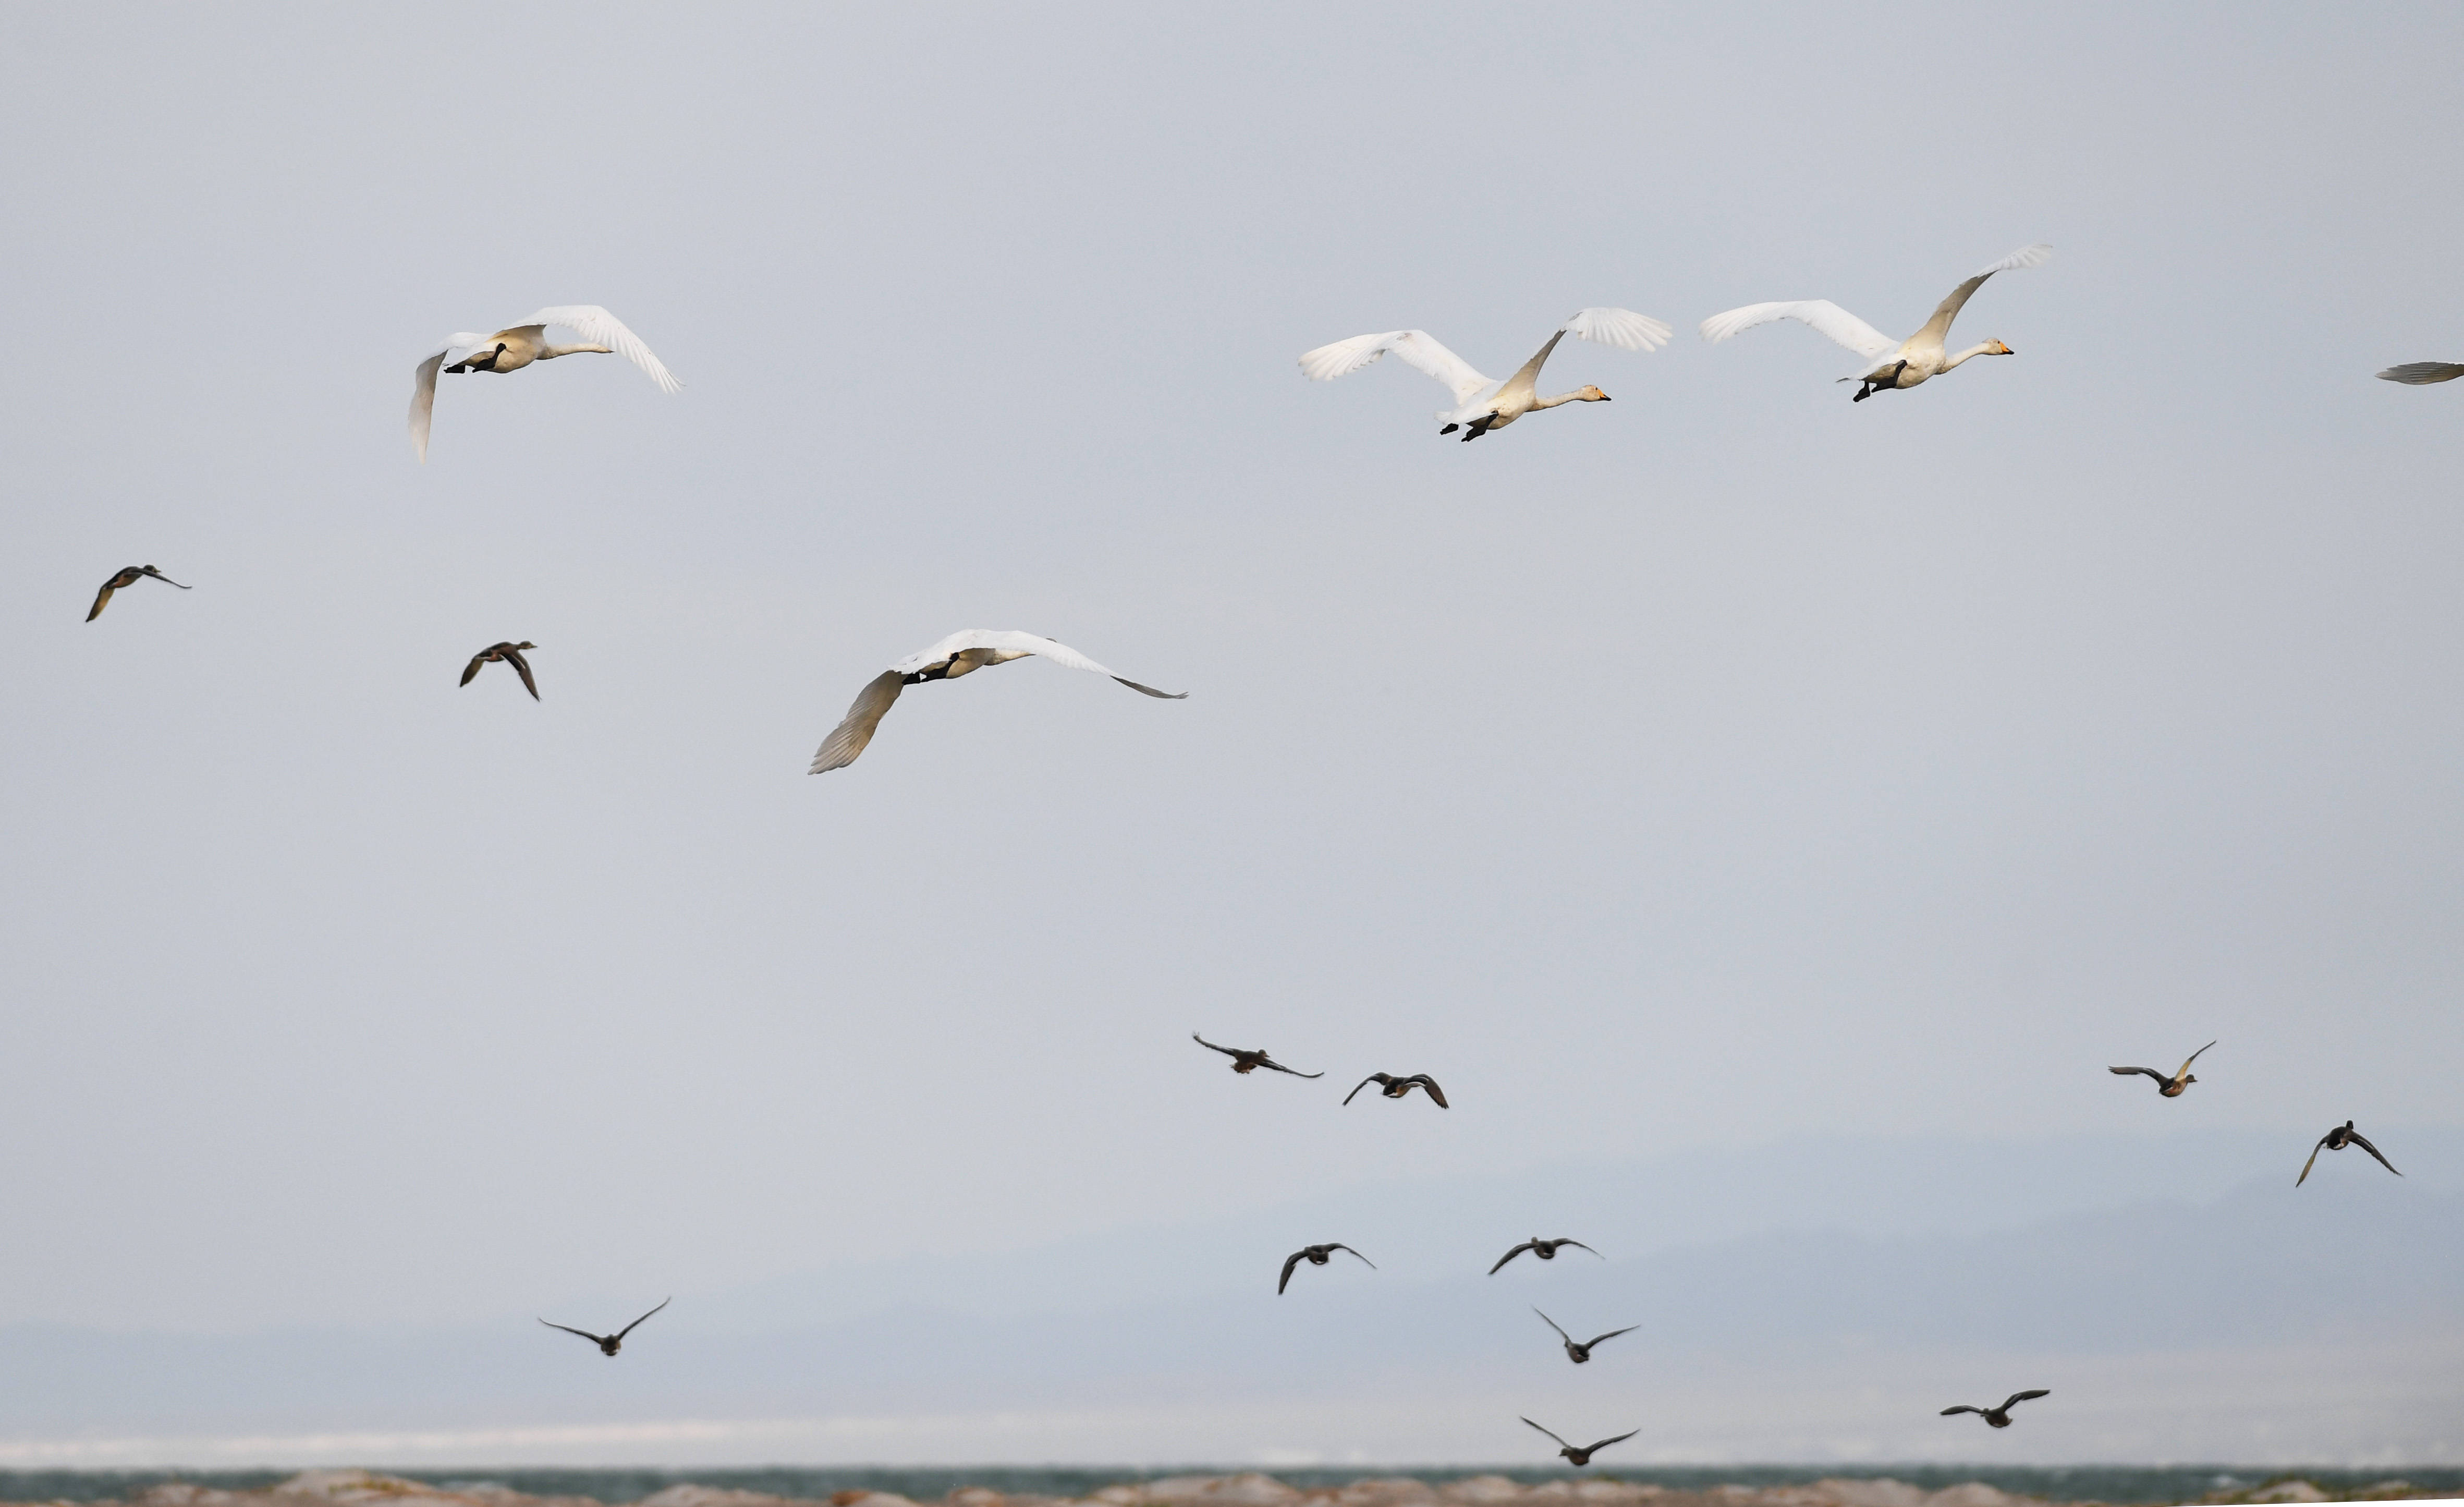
point(1483, 403)
point(2422, 373)
point(962, 652)
point(517, 345)
point(1889, 364)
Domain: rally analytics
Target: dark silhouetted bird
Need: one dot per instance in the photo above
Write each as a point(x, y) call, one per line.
point(2336, 1140)
point(127, 577)
point(1583, 1456)
point(1579, 1353)
point(1315, 1255)
point(1999, 1417)
point(1397, 1088)
point(1545, 1250)
point(609, 1345)
point(512, 655)
point(1250, 1061)
point(2173, 1087)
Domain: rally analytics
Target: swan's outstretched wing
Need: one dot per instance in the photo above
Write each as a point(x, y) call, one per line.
point(1418, 348)
point(423, 402)
point(1012, 639)
point(1948, 310)
point(1821, 314)
point(1623, 328)
point(600, 327)
point(855, 729)
point(2422, 373)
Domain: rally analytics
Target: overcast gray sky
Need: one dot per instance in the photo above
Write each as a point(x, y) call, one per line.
point(1726, 764)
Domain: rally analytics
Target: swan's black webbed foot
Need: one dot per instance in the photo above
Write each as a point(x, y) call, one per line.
point(1861, 394)
point(1449, 429)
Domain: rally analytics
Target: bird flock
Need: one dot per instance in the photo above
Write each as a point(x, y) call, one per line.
point(1481, 406)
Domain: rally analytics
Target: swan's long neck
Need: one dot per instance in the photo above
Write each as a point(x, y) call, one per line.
point(1584, 396)
point(1985, 349)
point(551, 352)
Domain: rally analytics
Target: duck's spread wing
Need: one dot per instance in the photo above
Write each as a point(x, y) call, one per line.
point(1364, 1260)
point(2150, 1072)
point(1938, 326)
point(101, 598)
point(1544, 1318)
point(2193, 1057)
point(1509, 1256)
point(1961, 1408)
point(1431, 1084)
point(1362, 1084)
point(1280, 1068)
point(522, 668)
point(468, 671)
point(1290, 1262)
point(1594, 1449)
point(600, 327)
point(1417, 348)
point(2363, 1141)
point(2422, 373)
point(855, 729)
point(2314, 1158)
point(1820, 315)
point(1544, 1430)
point(2016, 1398)
point(1212, 1047)
point(1612, 1334)
point(637, 1323)
point(584, 1333)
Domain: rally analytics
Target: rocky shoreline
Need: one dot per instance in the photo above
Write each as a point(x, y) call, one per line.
point(371, 1489)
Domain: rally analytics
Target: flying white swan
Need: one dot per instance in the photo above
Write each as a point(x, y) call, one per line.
point(2422, 373)
point(1482, 404)
point(962, 652)
point(517, 345)
point(1894, 364)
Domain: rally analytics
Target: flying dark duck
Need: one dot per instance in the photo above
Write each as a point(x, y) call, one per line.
point(1545, 1250)
point(2173, 1087)
point(1583, 1456)
point(512, 655)
point(1315, 1255)
point(1581, 1352)
point(1395, 1087)
point(127, 577)
point(1250, 1061)
point(2336, 1140)
point(609, 1345)
point(1999, 1417)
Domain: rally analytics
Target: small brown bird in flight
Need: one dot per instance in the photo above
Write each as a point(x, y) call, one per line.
point(1583, 1456)
point(1397, 1088)
point(1997, 1417)
point(1579, 1353)
point(1250, 1061)
point(512, 655)
point(128, 577)
point(2173, 1087)
point(609, 1345)
point(1545, 1250)
point(2336, 1140)
point(1315, 1255)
